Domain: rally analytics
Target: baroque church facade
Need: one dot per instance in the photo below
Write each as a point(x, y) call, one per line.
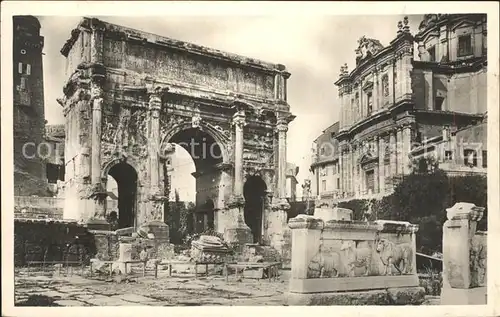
point(395, 107)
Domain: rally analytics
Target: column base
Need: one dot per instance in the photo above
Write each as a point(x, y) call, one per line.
point(238, 233)
point(458, 296)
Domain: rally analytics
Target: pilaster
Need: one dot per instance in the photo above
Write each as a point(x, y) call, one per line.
point(391, 83)
point(375, 94)
point(381, 165)
point(399, 150)
point(376, 172)
point(406, 149)
point(393, 157)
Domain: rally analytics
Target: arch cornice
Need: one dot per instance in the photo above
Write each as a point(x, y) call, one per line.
point(222, 140)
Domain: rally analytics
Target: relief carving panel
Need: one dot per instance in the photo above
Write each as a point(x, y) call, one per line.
point(478, 260)
point(355, 258)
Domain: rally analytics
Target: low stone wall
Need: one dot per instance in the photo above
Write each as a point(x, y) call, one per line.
point(51, 240)
point(342, 262)
point(464, 257)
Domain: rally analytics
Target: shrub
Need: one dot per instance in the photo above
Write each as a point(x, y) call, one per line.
point(423, 197)
point(359, 207)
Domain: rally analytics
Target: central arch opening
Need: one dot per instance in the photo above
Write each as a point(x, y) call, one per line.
point(254, 192)
point(123, 191)
point(194, 163)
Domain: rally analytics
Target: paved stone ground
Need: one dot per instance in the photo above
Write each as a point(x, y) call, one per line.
point(182, 290)
point(165, 291)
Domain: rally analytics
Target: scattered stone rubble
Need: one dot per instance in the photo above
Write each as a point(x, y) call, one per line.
point(210, 249)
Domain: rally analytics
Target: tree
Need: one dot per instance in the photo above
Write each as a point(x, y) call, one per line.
point(173, 219)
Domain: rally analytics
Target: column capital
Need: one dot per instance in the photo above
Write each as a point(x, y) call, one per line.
point(96, 91)
point(239, 120)
point(97, 103)
point(282, 127)
point(465, 211)
point(155, 92)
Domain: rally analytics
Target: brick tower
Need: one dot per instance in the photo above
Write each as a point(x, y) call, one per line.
point(28, 107)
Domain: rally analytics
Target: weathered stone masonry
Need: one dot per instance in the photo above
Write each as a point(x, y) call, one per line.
point(131, 94)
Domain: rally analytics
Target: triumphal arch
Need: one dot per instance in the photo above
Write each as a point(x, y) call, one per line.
point(130, 95)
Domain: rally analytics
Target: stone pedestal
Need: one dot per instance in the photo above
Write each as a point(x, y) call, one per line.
point(462, 258)
point(125, 251)
point(238, 233)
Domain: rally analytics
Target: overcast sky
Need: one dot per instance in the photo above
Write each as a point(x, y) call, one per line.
point(312, 47)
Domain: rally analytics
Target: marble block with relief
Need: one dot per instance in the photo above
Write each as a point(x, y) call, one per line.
point(338, 256)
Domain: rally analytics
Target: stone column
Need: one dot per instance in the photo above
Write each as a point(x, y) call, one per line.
point(97, 196)
point(381, 164)
point(282, 128)
point(96, 137)
point(460, 256)
point(154, 216)
point(406, 149)
point(239, 123)
point(154, 140)
point(97, 192)
point(237, 233)
point(393, 158)
point(399, 151)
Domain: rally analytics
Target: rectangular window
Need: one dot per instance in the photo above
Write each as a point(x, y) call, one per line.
point(52, 171)
point(20, 68)
point(464, 45)
point(485, 159)
point(438, 103)
point(432, 54)
point(338, 183)
point(22, 84)
point(448, 156)
point(470, 158)
point(28, 69)
point(323, 185)
point(370, 103)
